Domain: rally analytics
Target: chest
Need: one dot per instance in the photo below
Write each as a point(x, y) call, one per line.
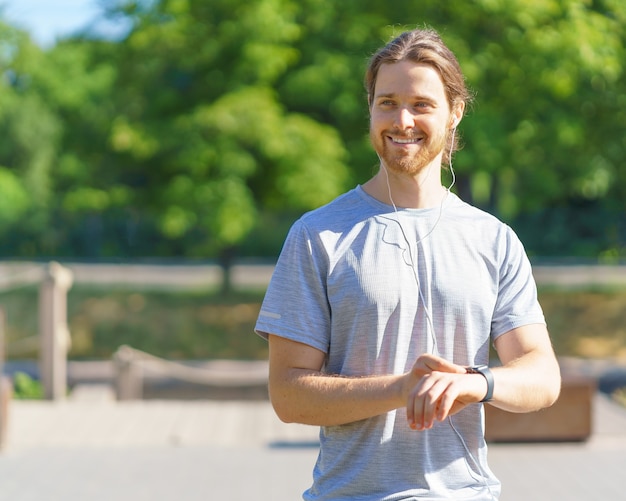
point(387, 265)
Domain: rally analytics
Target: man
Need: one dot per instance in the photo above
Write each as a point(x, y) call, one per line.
point(384, 303)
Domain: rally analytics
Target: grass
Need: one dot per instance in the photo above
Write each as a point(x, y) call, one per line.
point(181, 325)
point(208, 325)
point(26, 388)
point(587, 323)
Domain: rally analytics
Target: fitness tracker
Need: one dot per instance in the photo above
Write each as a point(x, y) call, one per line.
point(484, 370)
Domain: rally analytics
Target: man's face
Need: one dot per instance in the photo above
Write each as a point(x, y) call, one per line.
point(410, 116)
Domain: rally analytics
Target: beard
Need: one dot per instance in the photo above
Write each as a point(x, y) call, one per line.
point(409, 162)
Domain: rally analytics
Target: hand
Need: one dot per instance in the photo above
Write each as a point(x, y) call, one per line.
point(439, 389)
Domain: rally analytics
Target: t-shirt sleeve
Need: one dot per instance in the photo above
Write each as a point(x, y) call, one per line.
point(517, 302)
point(296, 304)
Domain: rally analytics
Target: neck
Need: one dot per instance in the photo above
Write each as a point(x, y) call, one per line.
point(421, 191)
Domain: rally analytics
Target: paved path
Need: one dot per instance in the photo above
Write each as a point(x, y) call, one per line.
point(93, 448)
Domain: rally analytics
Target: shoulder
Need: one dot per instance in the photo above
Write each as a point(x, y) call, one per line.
point(485, 228)
point(334, 218)
point(476, 219)
point(467, 213)
point(341, 213)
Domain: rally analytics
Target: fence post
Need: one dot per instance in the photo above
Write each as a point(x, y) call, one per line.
point(53, 330)
point(128, 374)
point(6, 389)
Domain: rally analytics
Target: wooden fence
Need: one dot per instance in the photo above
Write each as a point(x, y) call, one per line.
point(55, 280)
point(54, 337)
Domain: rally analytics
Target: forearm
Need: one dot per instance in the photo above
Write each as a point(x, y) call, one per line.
point(311, 397)
point(527, 384)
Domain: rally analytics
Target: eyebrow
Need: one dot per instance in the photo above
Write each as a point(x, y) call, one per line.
point(395, 94)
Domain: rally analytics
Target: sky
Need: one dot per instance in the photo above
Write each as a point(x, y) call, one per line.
point(46, 20)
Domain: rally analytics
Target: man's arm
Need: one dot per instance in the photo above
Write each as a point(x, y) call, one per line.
point(530, 378)
point(301, 393)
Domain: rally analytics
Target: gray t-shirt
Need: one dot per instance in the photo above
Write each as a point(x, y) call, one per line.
point(374, 289)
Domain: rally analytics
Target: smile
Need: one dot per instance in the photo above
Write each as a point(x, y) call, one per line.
point(398, 140)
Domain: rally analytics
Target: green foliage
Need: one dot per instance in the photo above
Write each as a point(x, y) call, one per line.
point(14, 199)
point(207, 142)
point(30, 133)
point(543, 78)
point(212, 118)
point(26, 388)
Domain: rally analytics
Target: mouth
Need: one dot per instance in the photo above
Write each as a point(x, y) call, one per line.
point(405, 140)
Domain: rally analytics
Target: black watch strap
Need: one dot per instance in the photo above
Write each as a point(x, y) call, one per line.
point(484, 370)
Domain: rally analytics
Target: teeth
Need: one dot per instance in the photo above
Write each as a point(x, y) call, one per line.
point(405, 141)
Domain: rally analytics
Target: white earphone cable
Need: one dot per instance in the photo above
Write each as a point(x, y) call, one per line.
point(413, 265)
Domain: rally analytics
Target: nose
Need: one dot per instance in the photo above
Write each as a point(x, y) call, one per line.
point(405, 119)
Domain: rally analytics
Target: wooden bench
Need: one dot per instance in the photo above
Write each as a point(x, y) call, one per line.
point(568, 420)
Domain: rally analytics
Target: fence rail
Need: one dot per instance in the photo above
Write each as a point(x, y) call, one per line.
point(131, 366)
point(244, 274)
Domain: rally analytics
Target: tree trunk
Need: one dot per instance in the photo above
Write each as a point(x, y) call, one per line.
point(226, 260)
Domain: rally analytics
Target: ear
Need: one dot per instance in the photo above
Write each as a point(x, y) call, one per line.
point(457, 114)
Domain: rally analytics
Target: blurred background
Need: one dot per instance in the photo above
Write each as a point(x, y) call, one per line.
point(160, 150)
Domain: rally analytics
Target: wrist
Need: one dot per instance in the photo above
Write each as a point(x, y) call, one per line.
point(485, 372)
point(404, 384)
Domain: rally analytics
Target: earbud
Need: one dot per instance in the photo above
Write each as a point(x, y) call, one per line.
point(456, 119)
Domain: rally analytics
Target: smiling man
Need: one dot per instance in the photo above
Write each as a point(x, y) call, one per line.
point(384, 303)
point(407, 92)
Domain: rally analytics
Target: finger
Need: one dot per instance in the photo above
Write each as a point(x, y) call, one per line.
point(434, 402)
point(423, 402)
point(443, 365)
point(414, 407)
point(433, 399)
point(445, 404)
point(435, 363)
point(411, 410)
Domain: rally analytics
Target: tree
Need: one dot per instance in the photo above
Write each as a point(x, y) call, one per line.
point(543, 134)
point(30, 132)
point(542, 140)
point(200, 133)
point(210, 120)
